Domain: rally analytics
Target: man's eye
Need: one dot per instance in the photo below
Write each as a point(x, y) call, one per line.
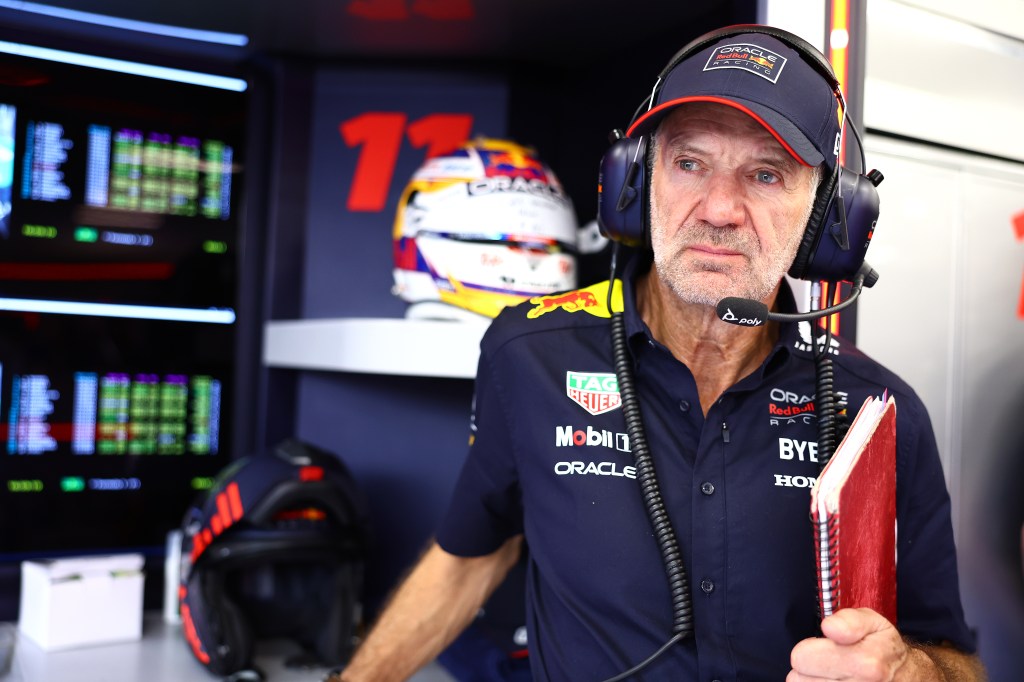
point(688, 165)
point(767, 177)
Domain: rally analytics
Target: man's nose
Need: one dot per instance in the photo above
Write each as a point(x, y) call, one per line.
point(722, 202)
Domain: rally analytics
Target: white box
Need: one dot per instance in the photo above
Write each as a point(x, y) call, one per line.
point(83, 601)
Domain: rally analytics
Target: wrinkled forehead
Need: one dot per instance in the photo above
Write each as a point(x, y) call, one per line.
point(709, 125)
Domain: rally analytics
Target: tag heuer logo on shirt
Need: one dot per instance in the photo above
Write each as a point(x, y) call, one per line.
point(595, 392)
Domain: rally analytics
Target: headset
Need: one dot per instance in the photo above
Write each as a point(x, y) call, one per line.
point(845, 210)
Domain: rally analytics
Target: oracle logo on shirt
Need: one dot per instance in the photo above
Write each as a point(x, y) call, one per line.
point(787, 407)
point(594, 469)
point(595, 392)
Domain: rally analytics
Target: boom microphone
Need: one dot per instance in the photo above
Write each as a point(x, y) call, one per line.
point(747, 312)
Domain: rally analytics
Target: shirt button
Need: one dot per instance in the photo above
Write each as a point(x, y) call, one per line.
point(707, 487)
point(707, 586)
point(684, 405)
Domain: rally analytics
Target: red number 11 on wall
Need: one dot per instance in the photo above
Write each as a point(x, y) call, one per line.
point(380, 134)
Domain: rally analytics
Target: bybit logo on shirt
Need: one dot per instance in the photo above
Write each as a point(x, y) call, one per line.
point(595, 392)
point(790, 450)
point(800, 450)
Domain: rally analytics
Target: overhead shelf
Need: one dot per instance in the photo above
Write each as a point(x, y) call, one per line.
point(431, 348)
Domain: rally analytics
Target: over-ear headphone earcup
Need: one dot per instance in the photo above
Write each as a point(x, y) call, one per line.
point(837, 238)
point(813, 230)
point(622, 195)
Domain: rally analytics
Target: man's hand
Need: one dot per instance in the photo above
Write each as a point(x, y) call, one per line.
point(859, 644)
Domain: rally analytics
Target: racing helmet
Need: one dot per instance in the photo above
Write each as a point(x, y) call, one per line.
point(481, 228)
point(275, 549)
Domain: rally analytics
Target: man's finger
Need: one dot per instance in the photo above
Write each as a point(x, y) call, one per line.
point(815, 658)
point(850, 626)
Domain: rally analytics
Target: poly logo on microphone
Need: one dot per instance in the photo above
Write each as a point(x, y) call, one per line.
point(730, 316)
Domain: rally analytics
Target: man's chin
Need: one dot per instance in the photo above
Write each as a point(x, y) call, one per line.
point(706, 284)
point(699, 296)
point(708, 289)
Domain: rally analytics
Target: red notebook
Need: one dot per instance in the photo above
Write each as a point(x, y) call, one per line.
point(853, 507)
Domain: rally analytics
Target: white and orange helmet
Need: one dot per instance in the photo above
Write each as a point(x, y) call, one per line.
point(478, 229)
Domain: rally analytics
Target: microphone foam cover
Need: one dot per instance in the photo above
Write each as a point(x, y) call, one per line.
point(742, 311)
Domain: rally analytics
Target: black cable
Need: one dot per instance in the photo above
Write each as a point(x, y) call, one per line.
point(650, 659)
point(679, 587)
point(682, 611)
point(860, 146)
point(825, 397)
point(831, 426)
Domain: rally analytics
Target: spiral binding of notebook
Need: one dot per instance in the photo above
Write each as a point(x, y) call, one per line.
point(828, 566)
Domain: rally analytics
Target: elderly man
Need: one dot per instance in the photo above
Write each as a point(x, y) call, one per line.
point(741, 141)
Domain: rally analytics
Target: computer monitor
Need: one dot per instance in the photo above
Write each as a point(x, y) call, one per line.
point(120, 188)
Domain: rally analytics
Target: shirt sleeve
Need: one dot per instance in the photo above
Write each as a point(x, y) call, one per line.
point(486, 505)
point(928, 591)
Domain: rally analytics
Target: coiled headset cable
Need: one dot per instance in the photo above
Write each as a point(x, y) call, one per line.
point(831, 426)
point(675, 569)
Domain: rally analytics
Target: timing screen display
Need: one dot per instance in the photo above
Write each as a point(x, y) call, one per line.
point(119, 220)
point(118, 197)
point(114, 413)
point(93, 460)
point(109, 428)
point(126, 169)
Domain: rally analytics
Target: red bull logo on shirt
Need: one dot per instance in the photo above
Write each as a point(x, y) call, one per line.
point(593, 300)
point(570, 302)
point(595, 392)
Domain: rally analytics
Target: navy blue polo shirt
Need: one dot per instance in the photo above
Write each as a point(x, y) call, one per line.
point(550, 457)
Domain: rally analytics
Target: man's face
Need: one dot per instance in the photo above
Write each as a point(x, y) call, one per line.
point(728, 205)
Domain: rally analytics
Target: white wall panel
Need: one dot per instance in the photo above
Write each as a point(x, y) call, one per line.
point(910, 310)
point(944, 312)
point(946, 80)
point(944, 315)
point(1001, 16)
